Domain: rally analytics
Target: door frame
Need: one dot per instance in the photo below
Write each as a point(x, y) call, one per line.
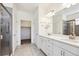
point(30, 29)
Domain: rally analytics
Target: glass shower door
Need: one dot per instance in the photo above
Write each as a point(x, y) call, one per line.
point(5, 31)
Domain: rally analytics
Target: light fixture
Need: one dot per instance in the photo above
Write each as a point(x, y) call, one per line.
point(51, 13)
point(67, 5)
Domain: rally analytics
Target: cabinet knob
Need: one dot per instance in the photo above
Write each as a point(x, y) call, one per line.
point(61, 53)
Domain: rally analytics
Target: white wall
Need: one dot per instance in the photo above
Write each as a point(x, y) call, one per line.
point(35, 26)
point(23, 15)
point(44, 21)
point(13, 29)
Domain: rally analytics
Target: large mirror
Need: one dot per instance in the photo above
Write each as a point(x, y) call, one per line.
point(66, 22)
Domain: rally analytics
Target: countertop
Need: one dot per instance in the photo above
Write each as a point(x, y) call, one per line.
point(63, 39)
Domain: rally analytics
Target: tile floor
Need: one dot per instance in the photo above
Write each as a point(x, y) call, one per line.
point(28, 49)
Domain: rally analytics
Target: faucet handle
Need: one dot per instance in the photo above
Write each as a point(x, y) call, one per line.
point(72, 36)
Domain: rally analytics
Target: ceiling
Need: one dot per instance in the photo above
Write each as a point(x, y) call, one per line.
point(47, 7)
point(30, 7)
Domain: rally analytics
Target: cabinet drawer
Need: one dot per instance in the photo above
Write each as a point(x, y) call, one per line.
point(49, 52)
point(57, 51)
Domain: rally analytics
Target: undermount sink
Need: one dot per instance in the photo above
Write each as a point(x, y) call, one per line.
point(71, 40)
point(64, 38)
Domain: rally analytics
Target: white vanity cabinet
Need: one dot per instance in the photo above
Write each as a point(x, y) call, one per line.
point(42, 43)
point(52, 47)
point(57, 51)
point(61, 52)
point(67, 53)
point(46, 46)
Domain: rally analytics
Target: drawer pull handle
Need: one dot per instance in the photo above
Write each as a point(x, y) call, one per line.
point(61, 53)
point(1, 36)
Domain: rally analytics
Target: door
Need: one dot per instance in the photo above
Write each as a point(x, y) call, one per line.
point(5, 31)
point(57, 51)
point(67, 53)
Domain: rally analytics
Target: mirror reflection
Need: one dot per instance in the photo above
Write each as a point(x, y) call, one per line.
point(66, 22)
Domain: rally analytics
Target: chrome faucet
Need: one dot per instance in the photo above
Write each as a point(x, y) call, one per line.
point(72, 35)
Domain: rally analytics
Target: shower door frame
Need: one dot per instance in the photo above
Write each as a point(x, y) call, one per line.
point(10, 15)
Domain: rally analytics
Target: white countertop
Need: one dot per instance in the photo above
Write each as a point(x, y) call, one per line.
point(64, 39)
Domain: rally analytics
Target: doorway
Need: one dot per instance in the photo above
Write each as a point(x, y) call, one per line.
point(25, 32)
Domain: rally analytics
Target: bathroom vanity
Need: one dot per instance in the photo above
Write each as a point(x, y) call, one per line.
point(58, 46)
point(64, 36)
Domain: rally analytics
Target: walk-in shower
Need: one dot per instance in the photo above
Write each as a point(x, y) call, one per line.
point(5, 30)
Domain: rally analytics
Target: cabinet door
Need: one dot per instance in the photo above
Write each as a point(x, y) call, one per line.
point(57, 51)
point(44, 47)
point(49, 47)
point(41, 42)
point(66, 53)
point(61, 52)
point(38, 42)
